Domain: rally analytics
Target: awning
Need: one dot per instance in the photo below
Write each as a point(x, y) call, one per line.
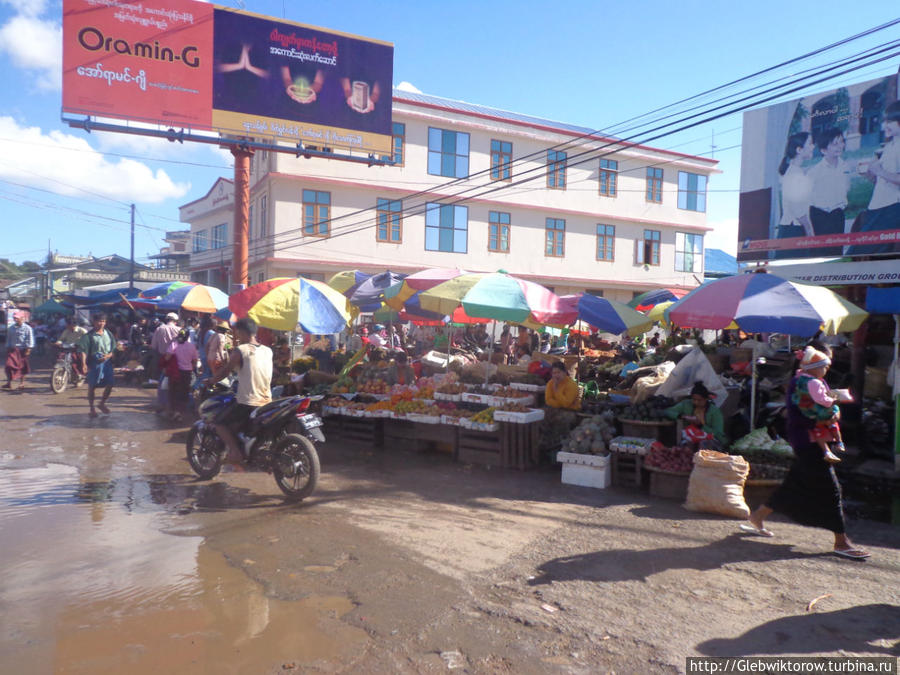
point(883, 300)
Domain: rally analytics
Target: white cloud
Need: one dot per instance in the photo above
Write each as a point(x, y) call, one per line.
point(724, 235)
point(36, 45)
point(408, 86)
point(27, 7)
point(68, 165)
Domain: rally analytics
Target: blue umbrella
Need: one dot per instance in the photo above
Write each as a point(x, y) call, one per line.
point(369, 294)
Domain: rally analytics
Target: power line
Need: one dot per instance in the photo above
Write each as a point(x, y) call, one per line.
point(749, 101)
point(593, 135)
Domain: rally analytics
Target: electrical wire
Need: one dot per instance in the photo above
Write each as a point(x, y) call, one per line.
point(721, 111)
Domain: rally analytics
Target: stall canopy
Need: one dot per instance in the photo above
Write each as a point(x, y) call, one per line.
point(52, 307)
point(883, 300)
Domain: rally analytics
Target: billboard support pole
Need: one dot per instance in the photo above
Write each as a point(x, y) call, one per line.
point(242, 155)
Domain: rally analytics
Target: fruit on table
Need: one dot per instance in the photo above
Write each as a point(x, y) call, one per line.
point(677, 459)
point(509, 392)
point(652, 409)
point(451, 388)
point(485, 416)
point(592, 436)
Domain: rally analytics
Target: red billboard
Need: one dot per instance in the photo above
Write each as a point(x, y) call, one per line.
point(184, 63)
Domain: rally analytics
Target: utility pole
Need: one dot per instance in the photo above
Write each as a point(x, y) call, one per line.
point(242, 155)
point(131, 272)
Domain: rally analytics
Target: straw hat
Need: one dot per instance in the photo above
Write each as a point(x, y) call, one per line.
point(224, 325)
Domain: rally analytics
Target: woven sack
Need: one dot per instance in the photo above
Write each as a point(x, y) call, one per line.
point(716, 484)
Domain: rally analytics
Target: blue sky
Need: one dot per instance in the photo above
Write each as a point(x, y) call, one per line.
point(584, 62)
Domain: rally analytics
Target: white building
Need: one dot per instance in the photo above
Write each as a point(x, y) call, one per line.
point(475, 188)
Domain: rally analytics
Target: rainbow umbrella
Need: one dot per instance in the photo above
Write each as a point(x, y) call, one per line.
point(646, 301)
point(194, 298)
point(369, 294)
point(766, 303)
point(498, 296)
point(283, 303)
point(611, 316)
point(345, 282)
point(163, 289)
point(399, 293)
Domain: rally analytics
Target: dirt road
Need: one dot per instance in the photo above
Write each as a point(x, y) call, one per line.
point(115, 557)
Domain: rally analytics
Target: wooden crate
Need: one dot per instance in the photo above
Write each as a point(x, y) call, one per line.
point(361, 429)
point(479, 447)
point(627, 469)
point(661, 430)
point(520, 445)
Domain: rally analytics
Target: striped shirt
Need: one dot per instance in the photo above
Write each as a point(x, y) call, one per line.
point(20, 335)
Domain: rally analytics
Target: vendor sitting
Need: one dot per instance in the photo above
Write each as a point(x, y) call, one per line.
point(704, 426)
point(400, 372)
point(561, 391)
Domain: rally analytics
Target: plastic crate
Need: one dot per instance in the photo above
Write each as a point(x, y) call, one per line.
point(535, 415)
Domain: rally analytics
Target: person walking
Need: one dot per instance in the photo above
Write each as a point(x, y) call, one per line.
point(164, 336)
point(96, 349)
point(810, 494)
point(181, 362)
point(19, 343)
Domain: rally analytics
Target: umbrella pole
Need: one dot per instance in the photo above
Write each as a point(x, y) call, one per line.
point(753, 393)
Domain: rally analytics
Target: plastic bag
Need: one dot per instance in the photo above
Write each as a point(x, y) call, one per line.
point(694, 367)
point(716, 484)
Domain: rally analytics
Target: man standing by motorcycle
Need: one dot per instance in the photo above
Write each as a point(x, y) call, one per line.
point(253, 363)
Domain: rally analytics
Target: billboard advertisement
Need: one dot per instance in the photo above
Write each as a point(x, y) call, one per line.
point(191, 64)
point(820, 175)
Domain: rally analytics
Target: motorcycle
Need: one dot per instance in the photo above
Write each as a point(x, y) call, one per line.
point(64, 371)
point(279, 437)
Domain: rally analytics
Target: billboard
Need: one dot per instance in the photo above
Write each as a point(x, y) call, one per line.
point(820, 175)
point(185, 63)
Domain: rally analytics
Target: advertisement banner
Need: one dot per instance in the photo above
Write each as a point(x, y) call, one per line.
point(185, 63)
point(820, 176)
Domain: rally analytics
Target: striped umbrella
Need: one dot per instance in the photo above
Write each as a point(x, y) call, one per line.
point(283, 303)
point(163, 289)
point(646, 301)
point(611, 316)
point(766, 303)
point(400, 293)
point(498, 296)
point(194, 298)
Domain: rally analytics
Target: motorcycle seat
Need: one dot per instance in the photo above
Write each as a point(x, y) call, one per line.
point(274, 405)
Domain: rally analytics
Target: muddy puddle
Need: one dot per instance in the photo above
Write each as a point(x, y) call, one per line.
point(92, 584)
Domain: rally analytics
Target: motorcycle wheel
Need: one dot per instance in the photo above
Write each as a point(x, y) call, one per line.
point(295, 465)
point(205, 452)
point(59, 379)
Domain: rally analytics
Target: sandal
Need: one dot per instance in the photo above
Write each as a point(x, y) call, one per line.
point(852, 553)
point(103, 409)
point(750, 528)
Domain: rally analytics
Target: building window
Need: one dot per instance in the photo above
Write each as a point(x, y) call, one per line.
point(250, 222)
point(389, 215)
point(609, 174)
point(200, 241)
point(556, 169)
point(691, 191)
point(261, 277)
point(498, 232)
point(501, 160)
point(201, 277)
point(647, 249)
point(556, 237)
point(316, 207)
point(448, 153)
point(398, 137)
point(263, 216)
point(219, 235)
point(446, 228)
point(654, 185)
point(688, 252)
point(606, 241)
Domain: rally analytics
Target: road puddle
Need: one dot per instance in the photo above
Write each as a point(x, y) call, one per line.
point(91, 585)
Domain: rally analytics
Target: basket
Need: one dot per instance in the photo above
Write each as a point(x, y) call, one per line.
point(645, 429)
point(668, 484)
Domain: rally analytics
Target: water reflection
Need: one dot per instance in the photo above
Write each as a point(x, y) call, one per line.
point(90, 584)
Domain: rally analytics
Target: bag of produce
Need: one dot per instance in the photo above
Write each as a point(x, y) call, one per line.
point(716, 484)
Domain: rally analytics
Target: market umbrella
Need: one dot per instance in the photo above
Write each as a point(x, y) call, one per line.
point(346, 281)
point(658, 312)
point(499, 296)
point(163, 289)
point(766, 303)
point(283, 303)
point(399, 293)
point(369, 294)
point(646, 301)
point(52, 307)
point(611, 316)
point(194, 298)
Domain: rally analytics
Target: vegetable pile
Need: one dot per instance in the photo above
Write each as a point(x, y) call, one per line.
point(592, 436)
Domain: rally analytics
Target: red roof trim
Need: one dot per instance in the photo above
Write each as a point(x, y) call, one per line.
point(544, 127)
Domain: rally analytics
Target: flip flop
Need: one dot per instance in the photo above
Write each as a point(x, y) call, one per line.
point(749, 528)
point(852, 553)
point(103, 408)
